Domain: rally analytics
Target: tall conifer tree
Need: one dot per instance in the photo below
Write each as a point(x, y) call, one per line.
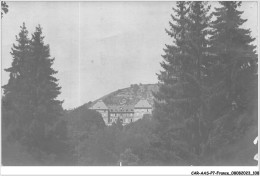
point(43, 90)
point(15, 97)
point(30, 98)
point(235, 54)
point(196, 89)
point(179, 103)
point(170, 100)
point(172, 66)
point(234, 101)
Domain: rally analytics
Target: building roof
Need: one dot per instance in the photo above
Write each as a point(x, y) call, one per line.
point(142, 104)
point(99, 105)
point(121, 109)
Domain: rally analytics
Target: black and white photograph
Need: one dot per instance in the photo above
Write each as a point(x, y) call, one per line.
point(129, 83)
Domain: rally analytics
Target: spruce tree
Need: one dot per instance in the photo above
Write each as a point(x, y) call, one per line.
point(233, 103)
point(196, 78)
point(170, 101)
point(180, 107)
point(235, 55)
point(15, 97)
point(30, 101)
point(45, 109)
point(172, 66)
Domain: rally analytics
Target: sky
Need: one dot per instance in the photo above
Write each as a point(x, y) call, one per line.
point(99, 47)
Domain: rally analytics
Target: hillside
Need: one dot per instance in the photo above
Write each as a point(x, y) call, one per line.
point(128, 96)
point(131, 95)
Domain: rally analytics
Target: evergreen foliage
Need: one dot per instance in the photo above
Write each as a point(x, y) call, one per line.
point(208, 85)
point(30, 100)
point(235, 56)
point(171, 98)
point(233, 101)
point(4, 8)
point(15, 94)
point(182, 91)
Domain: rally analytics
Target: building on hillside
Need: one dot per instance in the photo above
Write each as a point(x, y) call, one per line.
point(101, 107)
point(141, 108)
point(125, 113)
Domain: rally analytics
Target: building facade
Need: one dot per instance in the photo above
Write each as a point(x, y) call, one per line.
point(125, 113)
point(101, 107)
point(141, 108)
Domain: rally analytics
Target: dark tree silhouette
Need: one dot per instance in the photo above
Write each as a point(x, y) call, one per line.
point(4, 8)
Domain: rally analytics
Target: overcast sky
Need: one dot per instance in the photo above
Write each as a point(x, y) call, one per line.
point(99, 47)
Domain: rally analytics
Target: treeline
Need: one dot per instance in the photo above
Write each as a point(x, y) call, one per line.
point(96, 144)
point(205, 112)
